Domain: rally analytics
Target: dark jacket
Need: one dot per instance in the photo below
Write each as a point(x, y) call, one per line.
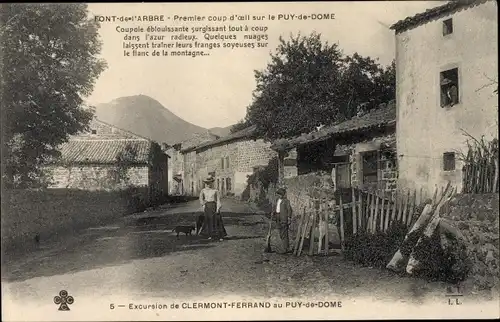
point(285, 212)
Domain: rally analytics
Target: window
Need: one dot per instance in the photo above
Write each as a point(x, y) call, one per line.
point(222, 163)
point(218, 184)
point(342, 175)
point(449, 87)
point(228, 184)
point(222, 186)
point(447, 27)
point(93, 131)
point(449, 161)
point(227, 162)
point(370, 166)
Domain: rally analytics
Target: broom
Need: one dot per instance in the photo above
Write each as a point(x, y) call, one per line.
point(268, 238)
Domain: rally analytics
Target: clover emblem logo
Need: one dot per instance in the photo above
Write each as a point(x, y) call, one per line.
point(64, 300)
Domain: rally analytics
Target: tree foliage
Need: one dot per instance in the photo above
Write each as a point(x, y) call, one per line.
point(309, 83)
point(243, 124)
point(119, 174)
point(49, 64)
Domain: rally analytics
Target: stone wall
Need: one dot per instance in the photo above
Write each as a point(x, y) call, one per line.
point(387, 169)
point(477, 218)
point(290, 164)
point(231, 163)
point(252, 153)
point(97, 177)
point(388, 175)
point(50, 213)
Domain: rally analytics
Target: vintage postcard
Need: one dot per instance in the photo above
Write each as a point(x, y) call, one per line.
point(249, 161)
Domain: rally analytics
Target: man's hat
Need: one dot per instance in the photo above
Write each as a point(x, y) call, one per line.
point(446, 81)
point(281, 191)
point(209, 180)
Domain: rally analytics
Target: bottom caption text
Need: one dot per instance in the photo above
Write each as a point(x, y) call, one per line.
point(226, 305)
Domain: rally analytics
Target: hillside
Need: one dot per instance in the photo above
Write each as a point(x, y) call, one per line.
point(145, 116)
point(220, 131)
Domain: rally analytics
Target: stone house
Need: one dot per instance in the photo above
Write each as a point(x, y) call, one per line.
point(230, 159)
point(359, 152)
point(446, 65)
point(176, 175)
point(110, 158)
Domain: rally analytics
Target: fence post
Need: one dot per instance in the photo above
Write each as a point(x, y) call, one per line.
point(354, 216)
point(312, 234)
point(382, 212)
point(299, 231)
point(341, 223)
point(327, 233)
point(434, 198)
point(372, 211)
point(368, 212)
point(400, 205)
point(375, 213)
point(388, 212)
point(360, 211)
point(495, 179)
point(411, 208)
point(395, 207)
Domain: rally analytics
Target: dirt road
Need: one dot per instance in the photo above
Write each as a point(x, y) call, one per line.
point(140, 257)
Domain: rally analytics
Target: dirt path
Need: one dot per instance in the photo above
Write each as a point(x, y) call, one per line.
point(128, 261)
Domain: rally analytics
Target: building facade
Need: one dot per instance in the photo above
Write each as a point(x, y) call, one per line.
point(359, 153)
point(446, 65)
point(109, 158)
point(230, 159)
point(180, 182)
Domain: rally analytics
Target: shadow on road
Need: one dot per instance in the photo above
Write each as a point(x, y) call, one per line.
point(118, 245)
point(242, 237)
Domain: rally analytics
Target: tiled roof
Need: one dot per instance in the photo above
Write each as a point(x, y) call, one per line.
point(382, 116)
point(198, 139)
point(248, 132)
point(102, 151)
point(434, 13)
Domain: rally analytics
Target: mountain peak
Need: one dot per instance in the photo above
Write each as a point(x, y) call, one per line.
point(145, 116)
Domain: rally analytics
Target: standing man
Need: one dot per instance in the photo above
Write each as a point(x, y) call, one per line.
point(282, 211)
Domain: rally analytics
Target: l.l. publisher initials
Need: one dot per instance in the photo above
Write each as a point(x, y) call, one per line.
point(455, 301)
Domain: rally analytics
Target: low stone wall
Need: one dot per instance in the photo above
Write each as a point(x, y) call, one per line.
point(477, 217)
point(98, 177)
point(49, 213)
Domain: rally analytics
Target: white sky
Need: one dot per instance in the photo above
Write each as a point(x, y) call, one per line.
point(215, 90)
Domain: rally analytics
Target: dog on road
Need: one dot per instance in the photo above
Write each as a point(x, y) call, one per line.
point(184, 230)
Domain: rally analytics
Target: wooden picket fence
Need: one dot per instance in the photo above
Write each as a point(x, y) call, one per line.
point(480, 171)
point(356, 211)
point(480, 177)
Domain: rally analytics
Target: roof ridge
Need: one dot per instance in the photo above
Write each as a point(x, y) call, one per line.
point(227, 138)
point(121, 129)
point(434, 13)
point(139, 140)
